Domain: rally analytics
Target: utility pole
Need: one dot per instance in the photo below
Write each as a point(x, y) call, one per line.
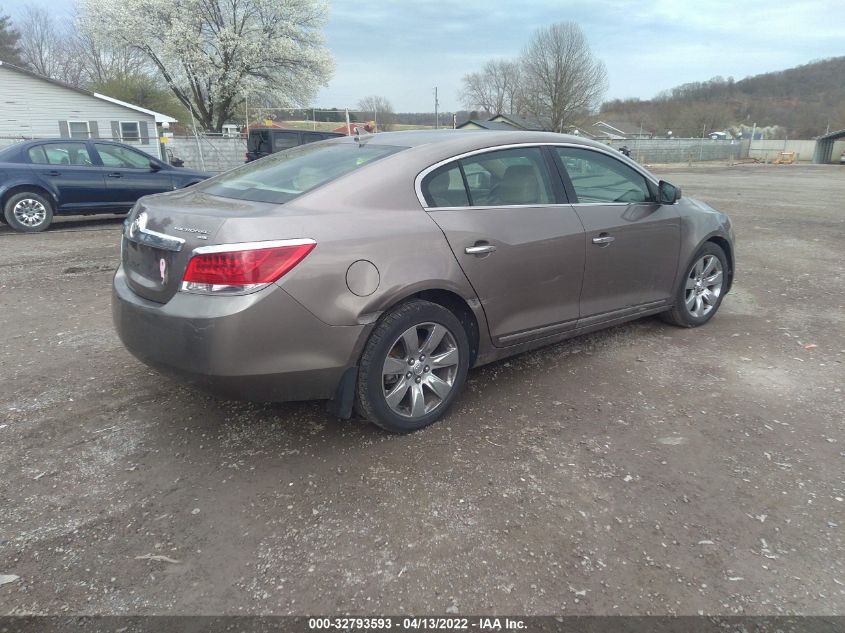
point(436, 110)
point(246, 113)
point(197, 137)
point(751, 141)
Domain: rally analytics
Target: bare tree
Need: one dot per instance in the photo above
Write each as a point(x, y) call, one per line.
point(495, 89)
point(105, 62)
point(47, 46)
point(381, 110)
point(562, 79)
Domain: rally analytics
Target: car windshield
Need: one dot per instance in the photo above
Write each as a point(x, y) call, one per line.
point(283, 176)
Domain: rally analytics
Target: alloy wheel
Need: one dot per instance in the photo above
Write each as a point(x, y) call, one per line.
point(30, 212)
point(704, 286)
point(420, 369)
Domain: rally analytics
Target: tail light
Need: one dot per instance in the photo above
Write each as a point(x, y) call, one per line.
point(242, 268)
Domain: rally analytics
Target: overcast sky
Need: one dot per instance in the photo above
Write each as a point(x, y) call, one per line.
point(401, 49)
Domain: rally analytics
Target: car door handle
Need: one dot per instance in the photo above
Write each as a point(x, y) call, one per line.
point(479, 249)
point(115, 174)
point(603, 240)
point(53, 173)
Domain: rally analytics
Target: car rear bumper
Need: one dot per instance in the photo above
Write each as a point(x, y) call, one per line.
point(263, 346)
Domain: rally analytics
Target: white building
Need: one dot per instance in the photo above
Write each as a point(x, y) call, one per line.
point(34, 106)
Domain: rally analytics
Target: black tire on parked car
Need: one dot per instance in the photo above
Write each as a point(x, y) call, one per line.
point(413, 367)
point(701, 289)
point(28, 212)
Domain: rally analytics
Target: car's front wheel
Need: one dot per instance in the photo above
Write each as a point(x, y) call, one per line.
point(702, 289)
point(413, 367)
point(28, 212)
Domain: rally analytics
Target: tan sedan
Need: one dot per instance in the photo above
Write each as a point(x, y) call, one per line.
point(375, 272)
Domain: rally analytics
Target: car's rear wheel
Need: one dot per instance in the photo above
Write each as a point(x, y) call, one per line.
point(701, 290)
point(28, 212)
point(413, 367)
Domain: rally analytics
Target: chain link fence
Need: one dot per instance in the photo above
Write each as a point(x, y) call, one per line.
point(215, 153)
point(683, 150)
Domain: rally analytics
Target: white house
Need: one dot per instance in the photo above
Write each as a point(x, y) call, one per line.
point(34, 106)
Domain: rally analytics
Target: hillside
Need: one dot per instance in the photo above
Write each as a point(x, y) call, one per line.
point(803, 101)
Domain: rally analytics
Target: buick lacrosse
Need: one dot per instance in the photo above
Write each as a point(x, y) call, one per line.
point(374, 272)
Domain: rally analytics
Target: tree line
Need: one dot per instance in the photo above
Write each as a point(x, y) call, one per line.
point(803, 102)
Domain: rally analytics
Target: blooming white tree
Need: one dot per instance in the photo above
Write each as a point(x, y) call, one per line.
point(213, 53)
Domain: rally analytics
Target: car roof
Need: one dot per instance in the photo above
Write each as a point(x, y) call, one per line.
point(427, 147)
point(36, 141)
point(468, 140)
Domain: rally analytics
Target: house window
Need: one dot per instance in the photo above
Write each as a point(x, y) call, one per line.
point(130, 131)
point(79, 129)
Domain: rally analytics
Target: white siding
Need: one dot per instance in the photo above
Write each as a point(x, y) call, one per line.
point(32, 108)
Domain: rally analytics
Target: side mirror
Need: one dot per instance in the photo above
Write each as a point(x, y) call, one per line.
point(668, 193)
point(177, 162)
point(154, 166)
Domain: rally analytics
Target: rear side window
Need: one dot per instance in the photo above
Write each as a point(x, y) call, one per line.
point(283, 176)
point(508, 177)
point(38, 156)
point(285, 140)
point(504, 177)
point(60, 154)
point(444, 187)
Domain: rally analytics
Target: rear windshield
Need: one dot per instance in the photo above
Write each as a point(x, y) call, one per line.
point(286, 175)
point(8, 152)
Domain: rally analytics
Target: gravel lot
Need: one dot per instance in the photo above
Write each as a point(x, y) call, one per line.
point(645, 469)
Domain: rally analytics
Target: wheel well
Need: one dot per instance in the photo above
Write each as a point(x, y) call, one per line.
point(458, 306)
point(20, 189)
point(725, 245)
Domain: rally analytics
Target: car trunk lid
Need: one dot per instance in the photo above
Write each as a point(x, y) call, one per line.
point(161, 233)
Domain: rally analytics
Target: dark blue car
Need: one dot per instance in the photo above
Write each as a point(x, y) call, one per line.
point(40, 179)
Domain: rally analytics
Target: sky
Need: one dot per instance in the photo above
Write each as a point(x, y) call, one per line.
point(402, 49)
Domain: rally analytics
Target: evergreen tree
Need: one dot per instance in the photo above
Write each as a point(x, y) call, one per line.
point(9, 37)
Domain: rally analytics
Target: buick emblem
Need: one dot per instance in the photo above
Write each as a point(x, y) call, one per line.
point(138, 224)
point(162, 269)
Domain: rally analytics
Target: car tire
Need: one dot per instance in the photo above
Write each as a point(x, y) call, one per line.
point(28, 212)
point(409, 338)
point(701, 289)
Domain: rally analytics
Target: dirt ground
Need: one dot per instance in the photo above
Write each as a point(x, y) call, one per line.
point(642, 470)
